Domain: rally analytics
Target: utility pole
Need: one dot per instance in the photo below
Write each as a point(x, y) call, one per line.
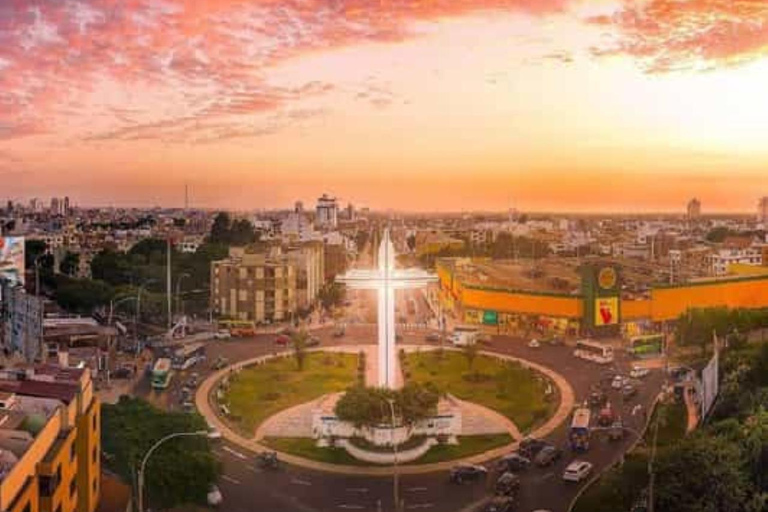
point(168, 283)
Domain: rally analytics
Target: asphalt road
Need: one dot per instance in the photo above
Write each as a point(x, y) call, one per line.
point(247, 488)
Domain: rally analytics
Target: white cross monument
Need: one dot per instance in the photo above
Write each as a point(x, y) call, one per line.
point(386, 279)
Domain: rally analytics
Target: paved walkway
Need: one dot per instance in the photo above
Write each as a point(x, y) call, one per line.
point(203, 401)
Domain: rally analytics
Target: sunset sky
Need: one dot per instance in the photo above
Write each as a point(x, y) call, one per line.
point(454, 105)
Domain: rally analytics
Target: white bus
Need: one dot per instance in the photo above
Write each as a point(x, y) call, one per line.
point(465, 335)
point(594, 351)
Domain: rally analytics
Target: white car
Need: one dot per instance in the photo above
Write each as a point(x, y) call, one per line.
point(222, 334)
point(214, 496)
point(638, 372)
point(534, 343)
point(577, 471)
point(619, 382)
point(213, 432)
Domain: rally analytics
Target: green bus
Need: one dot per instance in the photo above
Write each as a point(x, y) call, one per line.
point(161, 373)
point(649, 345)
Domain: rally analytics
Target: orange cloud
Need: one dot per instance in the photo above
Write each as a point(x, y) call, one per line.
point(220, 50)
point(669, 35)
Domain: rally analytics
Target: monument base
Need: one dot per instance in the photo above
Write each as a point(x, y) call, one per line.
point(327, 427)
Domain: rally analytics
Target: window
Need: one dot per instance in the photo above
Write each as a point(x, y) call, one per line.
point(95, 420)
point(72, 451)
point(73, 486)
point(28, 507)
point(95, 485)
point(94, 454)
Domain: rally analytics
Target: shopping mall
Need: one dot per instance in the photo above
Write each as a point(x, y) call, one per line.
point(590, 297)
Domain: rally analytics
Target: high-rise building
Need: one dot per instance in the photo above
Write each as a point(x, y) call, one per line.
point(21, 321)
point(54, 206)
point(65, 206)
point(694, 209)
point(327, 212)
point(762, 210)
point(50, 429)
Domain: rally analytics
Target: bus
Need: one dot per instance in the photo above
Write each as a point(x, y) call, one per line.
point(650, 345)
point(238, 328)
point(594, 351)
point(188, 355)
point(161, 373)
point(465, 335)
point(578, 433)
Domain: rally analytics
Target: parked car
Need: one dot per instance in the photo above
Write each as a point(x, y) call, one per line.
point(548, 455)
point(638, 372)
point(514, 462)
point(283, 340)
point(577, 471)
point(433, 337)
point(467, 473)
point(222, 334)
point(534, 343)
point(500, 504)
point(214, 496)
point(530, 446)
point(508, 484)
point(628, 391)
point(312, 341)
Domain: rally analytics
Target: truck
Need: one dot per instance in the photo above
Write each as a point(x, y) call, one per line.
point(465, 335)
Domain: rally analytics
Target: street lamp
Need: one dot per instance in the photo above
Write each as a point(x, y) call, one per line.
point(179, 302)
point(395, 475)
point(151, 450)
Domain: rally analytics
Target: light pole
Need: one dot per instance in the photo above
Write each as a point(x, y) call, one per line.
point(395, 489)
point(151, 450)
point(179, 302)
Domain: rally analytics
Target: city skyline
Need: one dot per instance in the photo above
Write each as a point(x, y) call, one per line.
point(556, 105)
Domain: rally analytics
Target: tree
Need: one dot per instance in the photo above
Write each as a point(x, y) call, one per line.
point(470, 351)
point(220, 229)
point(718, 234)
point(299, 341)
point(111, 266)
point(70, 264)
point(411, 241)
point(416, 402)
point(180, 471)
point(81, 295)
point(33, 249)
point(702, 474)
point(369, 406)
point(331, 295)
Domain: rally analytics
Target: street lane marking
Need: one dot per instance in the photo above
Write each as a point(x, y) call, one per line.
point(230, 479)
point(352, 507)
point(416, 489)
point(420, 505)
point(300, 482)
point(234, 452)
point(357, 489)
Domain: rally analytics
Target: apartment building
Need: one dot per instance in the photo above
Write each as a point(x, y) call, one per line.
point(258, 286)
point(50, 433)
point(309, 263)
point(725, 257)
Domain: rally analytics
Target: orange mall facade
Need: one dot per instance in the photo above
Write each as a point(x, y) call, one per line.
point(597, 310)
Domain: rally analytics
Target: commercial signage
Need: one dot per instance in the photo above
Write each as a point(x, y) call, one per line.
point(606, 311)
point(12, 259)
point(473, 316)
point(490, 317)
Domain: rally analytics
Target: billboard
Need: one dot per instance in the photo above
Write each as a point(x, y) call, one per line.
point(709, 383)
point(12, 259)
point(606, 311)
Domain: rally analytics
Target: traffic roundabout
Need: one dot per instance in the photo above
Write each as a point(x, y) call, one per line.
point(251, 415)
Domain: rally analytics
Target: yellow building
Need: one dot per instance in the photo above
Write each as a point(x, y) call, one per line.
point(50, 433)
point(594, 305)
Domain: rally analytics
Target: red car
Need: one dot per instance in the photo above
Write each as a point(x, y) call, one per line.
point(283, 340)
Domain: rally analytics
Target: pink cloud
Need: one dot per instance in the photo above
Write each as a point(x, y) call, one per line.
point(219, 53)
point(669, 35)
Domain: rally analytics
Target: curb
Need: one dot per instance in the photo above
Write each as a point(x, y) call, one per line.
point(204, 406)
